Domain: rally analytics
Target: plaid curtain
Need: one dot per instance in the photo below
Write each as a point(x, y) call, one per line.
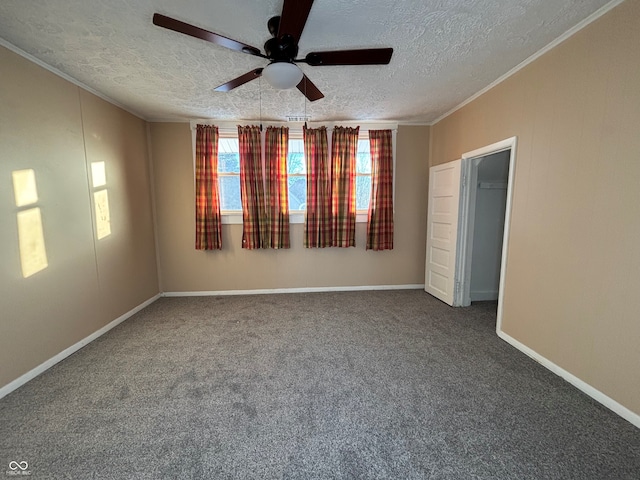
point(254, 217)
point(317, 222)
point(208, 224)
point(277, 187)
point(380, 227)
point(344, 146)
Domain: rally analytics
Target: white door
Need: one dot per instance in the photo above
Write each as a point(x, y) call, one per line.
point(442, 230)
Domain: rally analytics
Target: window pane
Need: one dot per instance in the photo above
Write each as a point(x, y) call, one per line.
point(295, 160)
point(228, 162)
point(297, 193)
point(230, 193)
point(363, 158)
point(363, 192)
point(228, 145)
point(363, 163)
point(296, 163)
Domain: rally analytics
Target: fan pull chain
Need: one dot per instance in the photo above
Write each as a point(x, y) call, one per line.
point(260, 87)
point(305, 102)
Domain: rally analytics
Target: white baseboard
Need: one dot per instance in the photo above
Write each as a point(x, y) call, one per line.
point(484, 295)
point(597, 395)
point(417, 286)
point(31, 374)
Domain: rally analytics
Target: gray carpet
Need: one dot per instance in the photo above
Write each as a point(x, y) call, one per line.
point(389, 384)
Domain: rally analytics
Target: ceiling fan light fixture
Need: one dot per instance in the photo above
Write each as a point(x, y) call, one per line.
point(282, 75)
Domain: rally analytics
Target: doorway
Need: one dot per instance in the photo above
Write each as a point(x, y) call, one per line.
point(475, 193)
point(483, 206)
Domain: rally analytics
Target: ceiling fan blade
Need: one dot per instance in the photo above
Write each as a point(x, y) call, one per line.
point(367, 56)
point(309, 90)
point(241, 80)
point(293, 18)
point(191, 30)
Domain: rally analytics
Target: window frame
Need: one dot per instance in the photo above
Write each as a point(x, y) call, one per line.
point(296, 216)
point(359, 213)
point(228, 129)
point(227, 135)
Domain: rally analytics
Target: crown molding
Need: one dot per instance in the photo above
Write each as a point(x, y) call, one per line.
point(569, 33)
point(68, 78)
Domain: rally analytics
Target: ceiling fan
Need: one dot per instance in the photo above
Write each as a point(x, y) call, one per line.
point(282, 72)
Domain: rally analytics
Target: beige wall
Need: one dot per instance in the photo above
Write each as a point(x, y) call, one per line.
point(57, 129)
point(185, 269)
point(573, 277)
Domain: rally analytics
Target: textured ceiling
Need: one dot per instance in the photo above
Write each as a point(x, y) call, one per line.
point(444, 52)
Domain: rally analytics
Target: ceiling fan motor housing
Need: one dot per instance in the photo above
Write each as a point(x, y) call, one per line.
point(273, 25)
point(280, 49)
point(283, 49)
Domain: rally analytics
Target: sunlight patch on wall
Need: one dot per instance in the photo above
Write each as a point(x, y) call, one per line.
point(101, 200)
point(98, 174)
point(103, 221)
point(33, 255)
point(24, 187)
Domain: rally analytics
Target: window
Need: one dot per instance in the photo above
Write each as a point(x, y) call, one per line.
point(363, 175)
point(229, 175)
point(297, 170)
point(229, 169)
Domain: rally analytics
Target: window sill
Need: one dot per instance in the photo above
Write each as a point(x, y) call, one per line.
point(236, 218)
